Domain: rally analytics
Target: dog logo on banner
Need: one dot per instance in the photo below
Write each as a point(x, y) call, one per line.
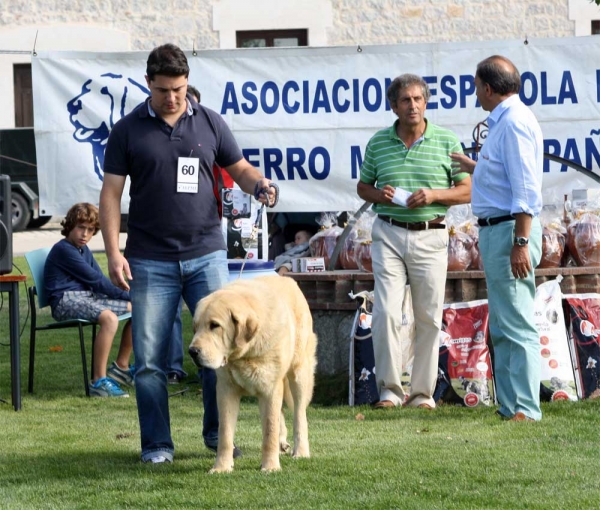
point(95, 110)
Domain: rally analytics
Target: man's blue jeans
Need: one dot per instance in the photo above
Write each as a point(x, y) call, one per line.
point(176, 348)
point(156, 289)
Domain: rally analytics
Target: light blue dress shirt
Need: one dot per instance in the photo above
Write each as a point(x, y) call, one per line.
point(508, 175)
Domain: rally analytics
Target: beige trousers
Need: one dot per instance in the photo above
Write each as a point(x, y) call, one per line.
point(420, 259)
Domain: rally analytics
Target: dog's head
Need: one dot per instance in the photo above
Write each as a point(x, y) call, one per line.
point(225, 324)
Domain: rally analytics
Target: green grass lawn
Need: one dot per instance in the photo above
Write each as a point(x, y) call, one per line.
point(64, 450)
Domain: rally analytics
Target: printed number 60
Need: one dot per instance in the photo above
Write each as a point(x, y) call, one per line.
point(188, 170)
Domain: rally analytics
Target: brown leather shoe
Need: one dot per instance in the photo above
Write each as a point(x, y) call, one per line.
point(383, 404)
point(425, 406)
point(521, 417)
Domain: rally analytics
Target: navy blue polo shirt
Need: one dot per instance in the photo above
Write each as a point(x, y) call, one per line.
point(164, 224)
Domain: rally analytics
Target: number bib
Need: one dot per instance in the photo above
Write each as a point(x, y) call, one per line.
point(187, 175)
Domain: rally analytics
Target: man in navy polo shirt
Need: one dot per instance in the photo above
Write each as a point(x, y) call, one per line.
point(175, 248)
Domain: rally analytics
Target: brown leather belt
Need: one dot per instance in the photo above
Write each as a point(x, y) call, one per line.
point(421, 225)
point(488, 222)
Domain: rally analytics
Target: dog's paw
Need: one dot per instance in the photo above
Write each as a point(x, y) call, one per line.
point(220, 469)
point(284, 447)
point(271, 468)
point(301, 453)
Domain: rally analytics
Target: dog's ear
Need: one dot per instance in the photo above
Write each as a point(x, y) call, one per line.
point(246, 326)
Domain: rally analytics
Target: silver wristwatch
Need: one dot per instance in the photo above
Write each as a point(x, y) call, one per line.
point(521, 241)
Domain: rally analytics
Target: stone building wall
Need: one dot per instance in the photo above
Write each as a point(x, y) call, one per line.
point(427, 21)
point(152, 22)
point(148, 22)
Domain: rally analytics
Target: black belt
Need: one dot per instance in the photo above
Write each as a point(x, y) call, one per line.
point(421, 225)
point(487, 222)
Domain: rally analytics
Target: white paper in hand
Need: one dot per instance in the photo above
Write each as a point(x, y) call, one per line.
point(401, 196)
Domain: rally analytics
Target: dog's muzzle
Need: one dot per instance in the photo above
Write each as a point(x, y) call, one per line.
point(195, 354)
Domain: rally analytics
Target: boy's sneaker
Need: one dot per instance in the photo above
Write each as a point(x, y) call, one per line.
point(106, 387)
point(116, 373)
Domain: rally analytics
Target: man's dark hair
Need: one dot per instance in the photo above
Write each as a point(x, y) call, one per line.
point(194, 92)
point(167, 60)
point(403, 81)
point(500, 74)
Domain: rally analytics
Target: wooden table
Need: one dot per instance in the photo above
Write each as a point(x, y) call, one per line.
point(10, 283)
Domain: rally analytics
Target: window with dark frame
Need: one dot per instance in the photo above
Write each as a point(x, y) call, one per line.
point(596, 27)
point(271, 38)
point(23, 95)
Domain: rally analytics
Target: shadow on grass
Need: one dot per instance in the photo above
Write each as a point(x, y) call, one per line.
point(331, 390)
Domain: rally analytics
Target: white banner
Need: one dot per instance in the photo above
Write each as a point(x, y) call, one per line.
point(303, 116)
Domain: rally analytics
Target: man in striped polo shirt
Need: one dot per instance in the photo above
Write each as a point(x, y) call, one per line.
point(407, 175)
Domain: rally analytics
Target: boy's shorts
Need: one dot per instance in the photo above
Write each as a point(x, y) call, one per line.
point(84, 304)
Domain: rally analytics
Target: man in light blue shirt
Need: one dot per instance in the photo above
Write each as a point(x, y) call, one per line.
point(507, 198)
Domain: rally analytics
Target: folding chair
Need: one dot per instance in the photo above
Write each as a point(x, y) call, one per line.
point(37, 260)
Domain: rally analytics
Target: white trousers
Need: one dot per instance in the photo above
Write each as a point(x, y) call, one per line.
point(420, 259)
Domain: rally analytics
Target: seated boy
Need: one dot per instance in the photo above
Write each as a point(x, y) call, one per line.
point(299, 248)
point(77, 289)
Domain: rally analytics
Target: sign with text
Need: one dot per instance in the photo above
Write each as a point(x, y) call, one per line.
point(303, 116)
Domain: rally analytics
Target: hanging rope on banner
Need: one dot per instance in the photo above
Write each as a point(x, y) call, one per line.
point(34, 43)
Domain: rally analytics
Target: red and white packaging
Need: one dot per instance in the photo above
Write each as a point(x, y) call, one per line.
point(308, 264)
point(557, 376)
point(465, 362)
point(583, 312)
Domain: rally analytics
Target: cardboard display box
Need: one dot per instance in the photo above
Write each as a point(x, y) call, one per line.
point(308, 264)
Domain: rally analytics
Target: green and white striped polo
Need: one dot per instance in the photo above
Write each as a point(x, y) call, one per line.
point(426, 165)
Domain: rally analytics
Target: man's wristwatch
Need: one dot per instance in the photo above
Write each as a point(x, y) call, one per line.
point(520, 241)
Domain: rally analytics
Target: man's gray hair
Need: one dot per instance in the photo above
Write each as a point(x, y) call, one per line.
point(403, 81)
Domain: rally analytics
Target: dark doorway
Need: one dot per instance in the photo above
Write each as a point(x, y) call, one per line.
point(23, 95)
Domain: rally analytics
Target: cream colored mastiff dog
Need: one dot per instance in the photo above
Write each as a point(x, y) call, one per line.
point(258, 335)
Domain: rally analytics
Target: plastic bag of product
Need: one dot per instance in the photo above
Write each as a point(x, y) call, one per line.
point(464, 367)
point(361, 230)
point(477, 261)
point(471, 228)
point(553, 245)
point(363, 384)
point(460, 246)
point(363, 242)
point(554, 238)
point(323, 242)
point(583, 240)
point(557, 378)
point(584, 341)
point(347, 259)
point(460, 242)
point(362, 254)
